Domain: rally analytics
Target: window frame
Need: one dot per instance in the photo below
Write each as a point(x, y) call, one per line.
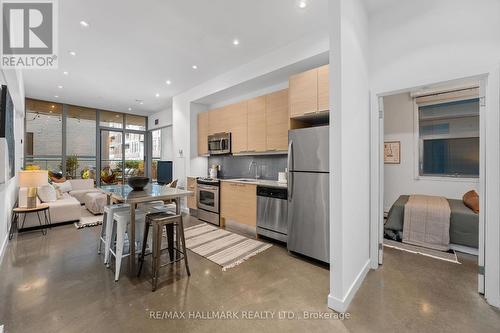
point(418, 144)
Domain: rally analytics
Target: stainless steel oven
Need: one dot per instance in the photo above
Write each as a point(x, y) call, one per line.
point(208, 195)
point(219, 144)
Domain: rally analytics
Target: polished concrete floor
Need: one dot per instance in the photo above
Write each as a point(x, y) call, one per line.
point(57, 283)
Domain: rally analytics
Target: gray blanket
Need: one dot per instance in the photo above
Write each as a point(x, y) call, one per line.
point(464, 223)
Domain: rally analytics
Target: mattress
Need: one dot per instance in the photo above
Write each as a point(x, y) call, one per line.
point(464, 223)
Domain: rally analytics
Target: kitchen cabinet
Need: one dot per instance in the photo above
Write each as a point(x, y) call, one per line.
point(309, 92)
point(323, 89)
point(239, 203)
point(217, 121)
point(191, 186)
point(203, 133)
point(303, 90)
point(236, 122)
point(277, 121)
point(256, 117)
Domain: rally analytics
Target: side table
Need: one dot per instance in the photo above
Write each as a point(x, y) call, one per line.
point(41, 208)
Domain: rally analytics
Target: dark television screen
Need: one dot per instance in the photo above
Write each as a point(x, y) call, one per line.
point(7, 126)
point(164, 172)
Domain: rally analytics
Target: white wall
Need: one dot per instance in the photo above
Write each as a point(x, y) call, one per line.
point(8, 191)
point(417, 43)
point(400, 179)
point(349, 151)
point(164, 119)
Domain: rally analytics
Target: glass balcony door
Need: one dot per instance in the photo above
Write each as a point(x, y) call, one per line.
point(111, 171)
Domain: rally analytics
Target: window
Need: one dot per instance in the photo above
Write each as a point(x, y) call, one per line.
point(43, 139)
point(81, 143)
point(137, 123)
point(449, 138)
point(111, 119)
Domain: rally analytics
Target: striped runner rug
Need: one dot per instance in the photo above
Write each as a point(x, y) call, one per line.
point(224, 248)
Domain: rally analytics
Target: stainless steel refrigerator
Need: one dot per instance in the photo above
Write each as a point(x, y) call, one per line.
point(308, 192)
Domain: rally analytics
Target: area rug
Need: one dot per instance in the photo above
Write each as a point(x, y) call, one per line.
point(88, 219)
point(222, 247)
point(449, 256)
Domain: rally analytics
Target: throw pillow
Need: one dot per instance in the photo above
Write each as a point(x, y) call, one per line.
point(47, 193)
point(65, 187)
point(471, 200)
point(59, 193)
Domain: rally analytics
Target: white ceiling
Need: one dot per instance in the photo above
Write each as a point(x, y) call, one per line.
point(132, 47)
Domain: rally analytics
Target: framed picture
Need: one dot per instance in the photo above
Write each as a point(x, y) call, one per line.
point(392, 152)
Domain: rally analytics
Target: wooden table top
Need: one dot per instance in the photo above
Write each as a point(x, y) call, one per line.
point(38, 208)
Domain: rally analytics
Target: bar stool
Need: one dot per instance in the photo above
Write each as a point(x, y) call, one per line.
point(122, 219)
point(158, 221)
point(107, 228)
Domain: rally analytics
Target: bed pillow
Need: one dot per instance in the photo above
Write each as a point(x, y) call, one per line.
point(65, 187)
point(471, 200)
point(47, 193)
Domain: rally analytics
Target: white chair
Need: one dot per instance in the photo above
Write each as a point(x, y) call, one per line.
point(122, 219)
point(107, 228)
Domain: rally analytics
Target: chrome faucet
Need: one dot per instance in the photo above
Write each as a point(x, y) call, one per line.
point(256, 169)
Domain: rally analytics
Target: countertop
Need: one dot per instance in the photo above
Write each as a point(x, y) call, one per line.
point(262, 182)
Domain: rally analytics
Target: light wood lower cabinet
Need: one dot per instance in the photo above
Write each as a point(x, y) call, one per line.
point(239, 203)
point(191, 186)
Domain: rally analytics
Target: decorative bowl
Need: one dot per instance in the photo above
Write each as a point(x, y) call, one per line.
point(138, 183)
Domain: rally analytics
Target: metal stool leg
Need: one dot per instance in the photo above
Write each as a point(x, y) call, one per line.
point(181, 232)
point(157, 236)
point(102, 234)
point(170, 240)
point(144, 244)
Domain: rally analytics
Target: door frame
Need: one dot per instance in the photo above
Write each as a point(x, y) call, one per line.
point(489, 165)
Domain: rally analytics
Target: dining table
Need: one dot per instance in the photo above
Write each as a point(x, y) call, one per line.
point(123, 193)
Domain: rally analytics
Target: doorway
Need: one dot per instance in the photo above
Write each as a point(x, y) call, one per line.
point(429, 138)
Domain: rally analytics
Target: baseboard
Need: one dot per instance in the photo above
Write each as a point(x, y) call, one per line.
point(341, 305)
point(464, 249)
point(3, 246)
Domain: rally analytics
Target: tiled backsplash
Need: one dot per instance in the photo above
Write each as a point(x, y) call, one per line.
point(268, 166)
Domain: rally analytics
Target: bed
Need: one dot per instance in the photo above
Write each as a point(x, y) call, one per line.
point(464, 223)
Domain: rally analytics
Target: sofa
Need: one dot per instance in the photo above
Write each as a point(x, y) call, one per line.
point(68, 207)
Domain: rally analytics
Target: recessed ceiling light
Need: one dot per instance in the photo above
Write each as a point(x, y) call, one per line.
point(130, 109)
point(66, 73)
point(60, 87)
point(157, 95)
point(168, 82)
point(236, 42)
point(73, 53)
point(302, 4)
point(141, 103)
point(84, 24)
point(194, 67)
point(52, 106)
point(56, 96)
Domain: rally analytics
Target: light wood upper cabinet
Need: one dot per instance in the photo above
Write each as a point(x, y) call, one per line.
point(236, 122)
point(303, 90)
point(256, 110)
point(239, 203)
point(323, 88)
point(277, 120)
point(216, 121)
point(203, 133)
point(309, 92)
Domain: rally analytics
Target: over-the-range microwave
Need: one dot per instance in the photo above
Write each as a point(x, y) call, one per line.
point(219, 144)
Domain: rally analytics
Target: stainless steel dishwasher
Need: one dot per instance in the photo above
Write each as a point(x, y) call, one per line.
point(272, 212)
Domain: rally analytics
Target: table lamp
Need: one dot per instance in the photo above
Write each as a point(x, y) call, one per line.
point(32, 179)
